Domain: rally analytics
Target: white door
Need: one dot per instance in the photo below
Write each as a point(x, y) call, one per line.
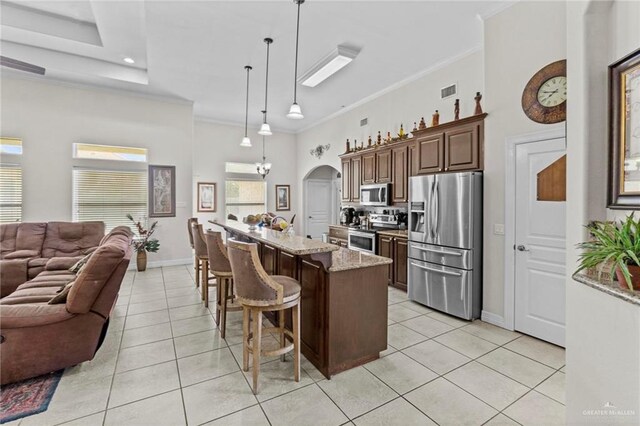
point(539, 247)
point(319, 207)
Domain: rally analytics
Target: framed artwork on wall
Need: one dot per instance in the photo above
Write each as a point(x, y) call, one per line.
point(283, 197)
point(207, 197)
point(624, 133)
point(162, 191)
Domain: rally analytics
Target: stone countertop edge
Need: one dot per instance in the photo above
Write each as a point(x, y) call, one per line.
point(345, 259)
point(395, 233)
point(613, 289)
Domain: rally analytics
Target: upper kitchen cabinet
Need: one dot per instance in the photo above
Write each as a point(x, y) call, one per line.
point(351, 178)
point(346, 179)
point(463, 147)
point(383, 166)
point(400, 176)
point(430, 153)
point(369, 168)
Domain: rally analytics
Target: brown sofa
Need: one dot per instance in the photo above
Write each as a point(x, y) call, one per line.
point(27, 249)
point(38, 337)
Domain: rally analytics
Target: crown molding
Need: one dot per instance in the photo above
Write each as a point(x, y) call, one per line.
point(211, 120)
point(501, 7)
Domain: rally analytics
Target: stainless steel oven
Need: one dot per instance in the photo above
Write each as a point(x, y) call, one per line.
point(375, 195)
point(362, 240)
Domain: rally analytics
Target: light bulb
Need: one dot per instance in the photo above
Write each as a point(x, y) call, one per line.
point(265, 130)
point(246, 142)
point(295, 113)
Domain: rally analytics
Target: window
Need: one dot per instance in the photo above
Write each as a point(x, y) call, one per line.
point(11, 146)
point(108, 195)
point(10, 193)
point(106, 152)
point(245, 197)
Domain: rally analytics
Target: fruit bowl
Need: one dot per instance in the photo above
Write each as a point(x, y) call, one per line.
point(252, 221)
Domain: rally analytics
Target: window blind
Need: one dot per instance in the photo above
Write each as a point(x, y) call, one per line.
point(10, 193)
point(245, 197)
point(109, 195)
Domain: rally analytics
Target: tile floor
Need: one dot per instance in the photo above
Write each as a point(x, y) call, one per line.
point(164, 363)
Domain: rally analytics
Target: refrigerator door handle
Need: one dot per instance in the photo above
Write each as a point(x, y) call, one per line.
point(445, 252)
point(436, 200)
point(430, 210)
point(437, 271)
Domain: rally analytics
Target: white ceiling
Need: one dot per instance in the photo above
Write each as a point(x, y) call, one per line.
point(197, 50)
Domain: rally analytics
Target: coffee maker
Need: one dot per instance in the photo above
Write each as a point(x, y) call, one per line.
point(346, 215)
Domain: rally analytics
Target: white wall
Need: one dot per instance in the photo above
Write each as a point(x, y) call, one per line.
point(50, 117)
point(516, 46)
point(214, 144)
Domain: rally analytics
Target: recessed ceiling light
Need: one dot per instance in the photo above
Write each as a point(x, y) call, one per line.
point(129, 60)
point(328, 66)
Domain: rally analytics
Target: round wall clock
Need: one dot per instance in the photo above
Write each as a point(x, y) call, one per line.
point(544, 99)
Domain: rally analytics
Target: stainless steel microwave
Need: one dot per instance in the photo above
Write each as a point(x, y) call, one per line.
point(375, 195)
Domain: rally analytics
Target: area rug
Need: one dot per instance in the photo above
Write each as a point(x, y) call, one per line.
point(32, 396)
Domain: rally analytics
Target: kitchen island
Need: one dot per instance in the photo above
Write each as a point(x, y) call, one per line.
point(343, 308)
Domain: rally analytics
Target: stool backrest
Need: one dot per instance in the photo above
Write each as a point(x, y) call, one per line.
point(218, 258)
point(199, 243)
point(252, 283)
point(190, 222)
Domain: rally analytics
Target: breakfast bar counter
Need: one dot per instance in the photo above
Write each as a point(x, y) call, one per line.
point(343, 318)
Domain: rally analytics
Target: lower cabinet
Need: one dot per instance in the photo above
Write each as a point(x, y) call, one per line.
point(269, 259)
point(397, 249)
point(385, 249)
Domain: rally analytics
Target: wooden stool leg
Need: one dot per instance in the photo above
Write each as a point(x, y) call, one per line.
point(223, 305)
point(218, 300)
point(205, 282)
point(197, 270)
point(257, 344)
point(281, 329)
point(246, 322)
point(295, 310)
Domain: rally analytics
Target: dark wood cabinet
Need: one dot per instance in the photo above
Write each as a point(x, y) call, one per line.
point(413, 160)
point(269, 259)
point(385, 249)
point(287, 264)
point(400, 177)
point(312, 309)
point(369, 168)
point(462, 148)
point(356, 177)
point(383, 167)
point(430, 153)
point(346, 179)
point(400, 259)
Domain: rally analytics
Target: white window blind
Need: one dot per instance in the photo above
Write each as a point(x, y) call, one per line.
point(108, 195)
point(10, 193)
point(245, 197)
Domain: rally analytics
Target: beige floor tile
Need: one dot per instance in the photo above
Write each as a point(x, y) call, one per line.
point(401, 337)
point(543, 352)
point(160, 410)
point(215, 398)
point(400, 372)
point(192, 325)
point(357, 391)
point(447, 404)
point(309, 368)
point(397, 296)
point(518, 367)
point(399, 313)
point(396, 412)
point(414, 306)
point(427, 326)
point(308, 406)
point(449, 319)
point(488, 385)
point(436, 357)
point(537, 409)
point(390, 349)
point(192, 344)
point(144, 335)
point(501, 420)
point(141, 308)
point(92, 420)
point(145, 320)
point(490, 332)
point(181, 291)
point(119, 311)
point(253, 416)
point(144, 382)
point(268, 343)
point(466, 344)
point(102, 365)
point(189, 311)
point(205, 366)
point(116, 323)
point(193, 299)
point(554, 387)
point(276, 378)
point(148, 296)
point(145, 355)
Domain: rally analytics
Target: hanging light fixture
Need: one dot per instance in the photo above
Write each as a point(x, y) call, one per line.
point(246, 142)
point(295, 112)
point(263, 168)
point(265, 129)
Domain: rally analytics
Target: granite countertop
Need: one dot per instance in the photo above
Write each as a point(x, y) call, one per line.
point(395, 232)
point(293, 244)
point(345, 259)
point(610, 288)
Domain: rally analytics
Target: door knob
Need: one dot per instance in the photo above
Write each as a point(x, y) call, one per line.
point(522, 248)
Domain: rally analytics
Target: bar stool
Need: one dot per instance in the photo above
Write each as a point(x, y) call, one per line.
point(197, 266)
point(259, 292)
point(202, 257)
point(221, 269)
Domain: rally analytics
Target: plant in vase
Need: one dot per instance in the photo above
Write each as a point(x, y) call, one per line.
point(144, 243)
point(617, 244)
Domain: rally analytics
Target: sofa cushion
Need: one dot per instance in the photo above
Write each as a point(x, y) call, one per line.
point(8, 235)
point(12, 274)
point(62, 295)
point(118, 230)
point(57, 277)
point(31, 236)
point(67, 239)
point(42, 284)
point(40, 261)
point(61, 263)
point(77, 267)
point(20, 254)
point(32, 315)
point(35, 291)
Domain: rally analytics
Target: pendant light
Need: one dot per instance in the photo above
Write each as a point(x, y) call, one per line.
point(246, 142)
point(295, 113)
point(263, 168)
point(265, 129)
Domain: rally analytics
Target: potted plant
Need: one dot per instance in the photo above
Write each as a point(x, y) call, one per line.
point(617, 244)
point(144, 243)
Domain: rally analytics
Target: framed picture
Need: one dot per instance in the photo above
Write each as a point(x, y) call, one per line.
point(283, 197)
point(624, 133)
point(207, 197)
point(162, 191)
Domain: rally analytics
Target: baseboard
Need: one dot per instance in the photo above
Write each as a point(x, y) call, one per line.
point(161, 263)
point(492, 318)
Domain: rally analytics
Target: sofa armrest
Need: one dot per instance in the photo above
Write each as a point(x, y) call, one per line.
point(59, 263)
point(32, 315)
point(89, 250)
point(22, 254)
point(12, 274)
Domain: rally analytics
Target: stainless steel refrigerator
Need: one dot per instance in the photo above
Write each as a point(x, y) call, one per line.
point(445, 242)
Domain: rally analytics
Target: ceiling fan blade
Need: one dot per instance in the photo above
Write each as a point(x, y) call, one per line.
point(22, 66)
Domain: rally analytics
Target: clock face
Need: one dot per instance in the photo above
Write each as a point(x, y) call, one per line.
point(553, 92)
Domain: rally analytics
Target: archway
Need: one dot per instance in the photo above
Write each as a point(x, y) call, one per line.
point(321, 200)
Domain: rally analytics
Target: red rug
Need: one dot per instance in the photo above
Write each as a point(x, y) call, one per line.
point(32, 396)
